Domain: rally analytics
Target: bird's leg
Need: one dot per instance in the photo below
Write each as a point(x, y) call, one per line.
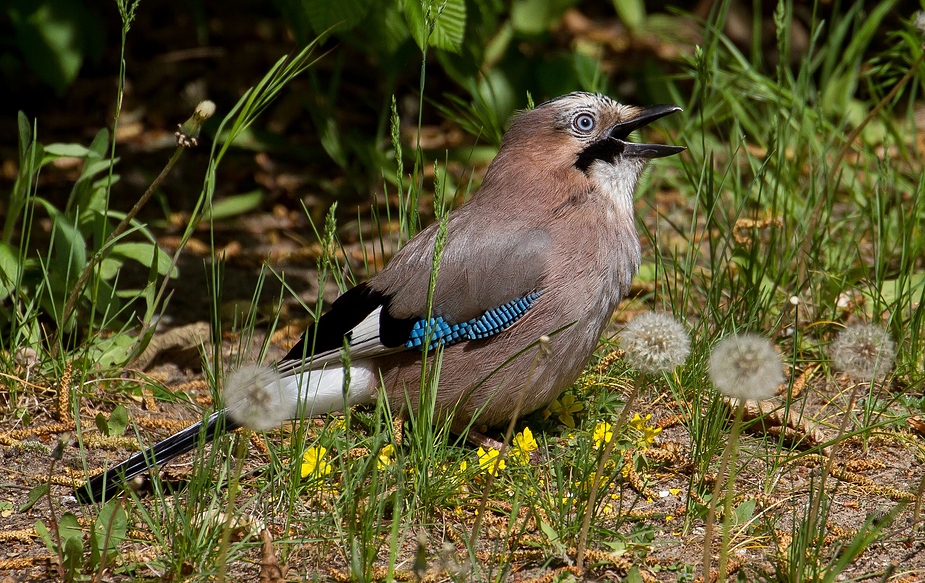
point(479, 439)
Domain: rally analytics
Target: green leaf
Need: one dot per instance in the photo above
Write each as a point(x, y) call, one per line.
point(147, 254)
point(68, 150)
point(69, 527)
point(73, 555)
point(102, 424)
point(25, 136)
point(10, 270)
point(533, 17)
point(237, 204)
point(118, 420)
point(100, 143)
point(335, 15)
point(70, 247)
point(633, 575)
point(35, 494)
point(113, 351)
point(631, 12)
point(50, 35)
point(893, 290)
point(45, 535)
point(744, 512)
point(112, 517)
point(446, 17)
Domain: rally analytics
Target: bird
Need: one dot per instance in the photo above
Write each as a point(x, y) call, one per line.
point(546, 247)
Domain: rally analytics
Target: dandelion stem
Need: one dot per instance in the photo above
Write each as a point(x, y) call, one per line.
point(596, 482)
point(827, 469)
point(240, 451)
point(116, 233)
point(729, 460)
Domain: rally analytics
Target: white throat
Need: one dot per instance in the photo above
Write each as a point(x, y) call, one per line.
point(617, 181)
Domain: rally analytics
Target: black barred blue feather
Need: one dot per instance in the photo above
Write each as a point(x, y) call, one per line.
point(487, 325)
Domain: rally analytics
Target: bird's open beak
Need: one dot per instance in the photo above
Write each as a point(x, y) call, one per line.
point(621, 131)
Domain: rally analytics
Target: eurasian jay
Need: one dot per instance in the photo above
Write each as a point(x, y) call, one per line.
point(546, 247)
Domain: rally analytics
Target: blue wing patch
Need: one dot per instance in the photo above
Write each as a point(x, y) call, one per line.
point(488, 324)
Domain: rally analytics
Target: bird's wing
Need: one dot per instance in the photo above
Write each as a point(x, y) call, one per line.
point(487, 261)
point(484, 284)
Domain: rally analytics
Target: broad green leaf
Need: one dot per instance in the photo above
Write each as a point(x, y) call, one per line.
point(147, 254)
point(35, 494)
point(533, 17)
point(235, 205)
point(113, 351)
point(335, 15)
point(894, 290)
point(387, 28)
point(631, 12)
point(93, 168)
point(118, 420)
point(10, 269)
point(111, 524)
point(73, 553)
point(70, 249)
point(69, 527)
point(633, 575)
point(44, 533)
point(68, 150)
point(100, 144)
point(50, 35)
point(25, 135)
point(102, 424)
point(448, 18)
point(744, 512)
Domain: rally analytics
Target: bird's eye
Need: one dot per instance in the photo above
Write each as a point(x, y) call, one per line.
point(583, 122)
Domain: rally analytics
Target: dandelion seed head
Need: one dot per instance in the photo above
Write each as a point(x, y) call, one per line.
point(255, 397)
point(655, 342)
point(863, 351)
point(919, 21)
point(746, 366)
point(205, 109)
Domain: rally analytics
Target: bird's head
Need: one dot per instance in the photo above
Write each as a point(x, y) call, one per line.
point(581, 128)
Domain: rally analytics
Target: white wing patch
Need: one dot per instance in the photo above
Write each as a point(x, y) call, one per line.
point(363, 342)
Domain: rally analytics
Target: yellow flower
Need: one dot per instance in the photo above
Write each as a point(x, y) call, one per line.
point(463, 465)
point(386, 456)
point(638, 422)
point(313, 463)
point(524, 444)
point(339, 425)
point(603, 433)
point(487, 460)
point(563, 407)
point(649, 432)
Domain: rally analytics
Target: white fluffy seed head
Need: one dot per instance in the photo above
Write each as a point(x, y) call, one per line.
point(864, 352)
point(256, 397)
point(655, 342)
point(746, 366)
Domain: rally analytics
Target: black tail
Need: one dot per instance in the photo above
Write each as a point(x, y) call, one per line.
point(103, 486)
